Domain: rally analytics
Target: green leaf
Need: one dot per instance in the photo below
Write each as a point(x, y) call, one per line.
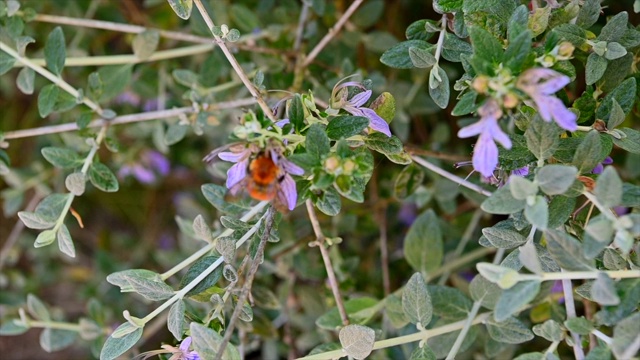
point(244, 18)
point(47, 99)
point(486, 49)
point(579, 325)
point(603, 290)
point(567, 251)
point(121, 278)
point(466, 104)
point(502, 202)
point(614, 51)
point(75, 183)
point(588, 14)
point(439, 88)
point(317, 142)
point(423, 353)
point(595, 68)
point(560, 209)
point(447, 6)
point(62, 157)
point(510, 331)
point(449, 303)
point(10, 328)
point(537, 213)
point(423, 245)
point(50, 208)
point(416, 301)
point(587, 155)
point(196, 269)
point(65, 243)
point(185, 77)
point(45, 238)
point(56, 339)
point(37, 308)
point(182, 8)
point(504, 276)
point(206, 343)
point(359, 311)
point(416, 31)
point(609, 187)
point(145, 43)
point(631, 142)
point(454, 47)
point(614, 29)
point(421, 58)
point(357, 340)
point(25, 80)
point(408, 181)
point(539, 21)
point(152, 289)
point(522, 188)
point(103, 178)
point(571, 33)
point(398, 56)
point(518, 51)
point(515, 298)
point(556, 179)
point(296, 112)
point(35, 221)
point(625, 95)
point(503, 238)
point(617, 115)
point(542, 138)
point(549, 330)
point(175, 133)
point(383, 144)
point(115, 79)
point(215, 194)
point(6, 62)
point(115, 347)
point(175, 321)
point(625, 337)
point(55, 51)
point(385, 106)
point(346, 126)
point(329, 202)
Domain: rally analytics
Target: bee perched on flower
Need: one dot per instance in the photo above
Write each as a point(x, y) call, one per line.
point(264, 173)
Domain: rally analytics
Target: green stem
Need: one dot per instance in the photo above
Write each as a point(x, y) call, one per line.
point(400, 340)
point(248, 216)
point(450, 176)
point(584, 275)
point(51, 77)
point(440, 44)
point(180, 294)
point(85, 168)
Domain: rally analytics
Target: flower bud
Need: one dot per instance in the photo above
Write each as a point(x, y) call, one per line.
point(565, 50)
point(510, 101)
point(348, 167)
point(480, 84)
point(331, 164)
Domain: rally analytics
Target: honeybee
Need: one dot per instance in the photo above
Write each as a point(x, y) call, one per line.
point(264, 177)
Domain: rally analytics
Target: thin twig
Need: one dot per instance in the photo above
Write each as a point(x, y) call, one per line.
point(91, 11)
point(125, 119)
point(51, 77)
point(333, 282)
point(332, 32)
point(246, 288)
point(301, 21)
point(16, 231)
point(234, 63)
point(450, 176)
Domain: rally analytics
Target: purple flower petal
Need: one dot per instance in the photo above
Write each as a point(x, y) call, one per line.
point(497, 134)
point(282, 123)
point(471, 130)
point(234, 156)
point(551, 107)
point(143, 174)
point(159, 162)
point(377, 123)
point(237, 173)
point(359, 99)
point(598, 169)
point(485, 155)
point(287, 193)
point(290, 167)
point(523, 171)
point(184, 345)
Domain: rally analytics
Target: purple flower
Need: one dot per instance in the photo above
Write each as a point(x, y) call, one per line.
point(540, 84)
point(152, 163)
point(522, 172)
point(600, 167)
point(237, 172)
point(128, 97)
point(355, 107)
point(287, 193)
point(184, 350)
point(485, 153)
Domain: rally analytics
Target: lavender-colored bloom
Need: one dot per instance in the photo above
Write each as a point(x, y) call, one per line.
point(184, 349)
point(128, 97)
point(355, 107)
point(522, 172)
point(600, 167)
point(150, 105)
point(238, 171)
point(152, 163)
point(485, 153)
point(540, 84)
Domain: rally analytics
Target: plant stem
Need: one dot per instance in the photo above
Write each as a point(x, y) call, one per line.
point(450, 176)
point(571, 313)
point(472, 315)
point(234, 63)
point(184, 263)
point(583, 275)
point(125, 119)
point(246, 288)
point(422, 335)
point(454, 264)
point(333, 282)
point(332, 32)
point(51, 77)
point(300, 30)
point(58, 325)
point(602, 336)
point(604, 210)
point(180, 294)
point(443, 31)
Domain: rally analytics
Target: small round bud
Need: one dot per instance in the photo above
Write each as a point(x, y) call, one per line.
point(510, 101)
point(480, 84)
point(565, 49)
point(348, 167)
point(331, 164)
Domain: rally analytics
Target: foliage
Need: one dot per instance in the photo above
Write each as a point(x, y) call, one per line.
point(320, 117)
